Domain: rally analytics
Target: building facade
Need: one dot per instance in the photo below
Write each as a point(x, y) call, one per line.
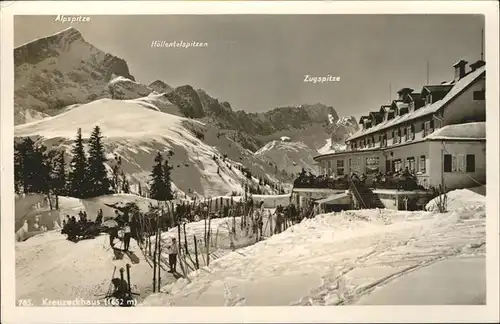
point(438, 134)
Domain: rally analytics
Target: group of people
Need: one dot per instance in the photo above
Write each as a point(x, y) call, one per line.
point(124, 225)
point(73, 227)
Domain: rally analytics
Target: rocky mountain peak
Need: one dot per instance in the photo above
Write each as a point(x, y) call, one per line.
point(42, 48)
point(161, 87)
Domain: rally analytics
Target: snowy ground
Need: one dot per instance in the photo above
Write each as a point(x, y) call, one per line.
point(49, 266)
point(332, 259)
point(336, 259)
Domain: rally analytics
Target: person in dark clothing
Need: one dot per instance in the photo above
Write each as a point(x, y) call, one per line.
point(113, 234)
point(98, 220)
point(120, 288)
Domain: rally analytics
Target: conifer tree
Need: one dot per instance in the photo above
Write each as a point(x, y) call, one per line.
point(125, 184)
point(78, 180)
point(116, 174)
point(58, 175)
point(98, 181)
point(167, 180)
point(158, 188)
point(23, 157)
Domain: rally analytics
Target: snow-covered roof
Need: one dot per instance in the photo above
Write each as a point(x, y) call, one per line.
point(437, 88)
point(470, 131)
point(457, 88)
point(465, 132)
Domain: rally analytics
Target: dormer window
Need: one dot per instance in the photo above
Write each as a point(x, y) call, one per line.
point(428, 99)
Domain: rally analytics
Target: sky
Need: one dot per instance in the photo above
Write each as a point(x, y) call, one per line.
point(259, 62)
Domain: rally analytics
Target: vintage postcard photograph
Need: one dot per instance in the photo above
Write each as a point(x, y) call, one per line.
point(179, 159)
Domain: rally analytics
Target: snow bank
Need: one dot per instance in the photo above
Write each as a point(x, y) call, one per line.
point(461, 131)
point(458, 199)
point(331, 259)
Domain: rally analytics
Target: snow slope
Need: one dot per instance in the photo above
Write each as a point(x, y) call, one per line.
point(332, 259)
point(136, 132)
point(49, 266)
point(289, 156)
point(330, 147)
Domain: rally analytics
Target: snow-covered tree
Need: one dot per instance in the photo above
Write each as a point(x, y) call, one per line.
point(78, 179)
point(158, 189)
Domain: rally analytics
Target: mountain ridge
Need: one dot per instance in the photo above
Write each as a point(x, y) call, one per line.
point(70, 75)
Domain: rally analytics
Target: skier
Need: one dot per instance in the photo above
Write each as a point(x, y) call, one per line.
point(126, 236)
point(172, 255)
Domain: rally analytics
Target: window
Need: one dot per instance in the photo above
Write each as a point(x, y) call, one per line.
point(428, 99)
point(447, 163)
point(409, 133)
point(372, 165)
point(427, 127)
point(470, 163)
point(478, 95)
point(340, 167)
point(421, 164)
point(384, 141)
point(398, 165)
point(411, 164)
point(461, 163)
point(453, 163)
point(329, 168)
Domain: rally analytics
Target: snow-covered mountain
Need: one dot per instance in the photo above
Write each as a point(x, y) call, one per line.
point(136, 132)
point(62, 83)
point(53, 72)
point(290, 156)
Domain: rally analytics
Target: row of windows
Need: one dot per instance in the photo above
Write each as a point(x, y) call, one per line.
point(451, 163)
point(407, 133)
point(413, 164)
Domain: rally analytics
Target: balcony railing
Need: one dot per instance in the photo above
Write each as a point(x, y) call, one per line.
point(321, 182)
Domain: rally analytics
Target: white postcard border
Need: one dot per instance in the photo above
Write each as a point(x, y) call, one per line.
point(401, 314)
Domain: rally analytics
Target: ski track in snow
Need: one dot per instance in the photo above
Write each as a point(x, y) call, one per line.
point(333, 259)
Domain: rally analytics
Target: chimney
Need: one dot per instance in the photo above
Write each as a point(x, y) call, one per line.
point(404, 92)
point(460, 69)
point(476, 65)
